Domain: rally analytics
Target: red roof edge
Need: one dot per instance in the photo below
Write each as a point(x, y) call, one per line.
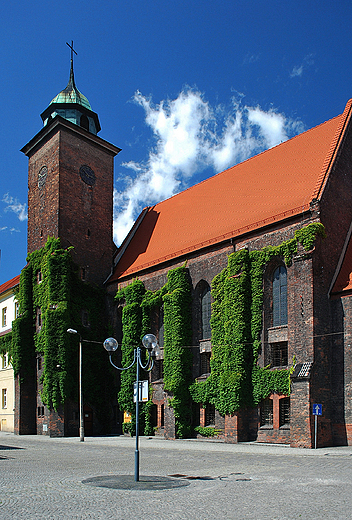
point(10, 284)
point(215, 240)
point(331, 155)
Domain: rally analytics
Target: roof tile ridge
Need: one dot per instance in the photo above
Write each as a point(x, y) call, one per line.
point(253, 157)
point(331, 155)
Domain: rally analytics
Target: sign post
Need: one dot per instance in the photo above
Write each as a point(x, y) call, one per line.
point(317, 410)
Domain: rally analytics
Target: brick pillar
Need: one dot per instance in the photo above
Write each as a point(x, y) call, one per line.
point(301, 419)
point(169, 420)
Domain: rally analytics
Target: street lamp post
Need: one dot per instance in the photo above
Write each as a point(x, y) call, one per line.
point(81, 415)
point(150, 343)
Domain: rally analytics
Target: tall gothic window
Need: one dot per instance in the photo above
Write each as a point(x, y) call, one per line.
point(280, 297)
point(206, 311)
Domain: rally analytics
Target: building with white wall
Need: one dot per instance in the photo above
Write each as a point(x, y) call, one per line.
point(8, 312)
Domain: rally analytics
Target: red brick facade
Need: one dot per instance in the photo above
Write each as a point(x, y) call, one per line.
point(63, 203)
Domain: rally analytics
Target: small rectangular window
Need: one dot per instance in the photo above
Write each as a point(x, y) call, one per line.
point(279, 352)
point(17, 309)
point(162, 416)
point(266, 413)
point(3, 318)
point(210, 415)
point(40, 411)
point(4, 398)
point(284, 406)
point(205, 362)
point(5, 361)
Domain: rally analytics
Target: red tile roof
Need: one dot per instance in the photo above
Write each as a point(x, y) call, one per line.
point(10, 284)
point(269, 187)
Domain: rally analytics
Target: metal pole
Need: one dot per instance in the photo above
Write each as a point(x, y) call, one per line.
point(315, 431)
point(81, 418)
point(136, 456)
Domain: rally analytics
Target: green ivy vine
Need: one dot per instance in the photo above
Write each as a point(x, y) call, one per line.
point(175, 296)
point(59, 295)
point(236, 381)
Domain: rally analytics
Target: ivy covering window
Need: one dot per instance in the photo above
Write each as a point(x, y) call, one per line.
point(161, 328)
point(280, 297)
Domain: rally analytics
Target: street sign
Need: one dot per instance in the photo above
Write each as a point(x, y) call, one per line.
point(317, 409)
point(143, 392)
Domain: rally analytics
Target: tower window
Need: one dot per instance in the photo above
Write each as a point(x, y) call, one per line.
point(84, 122)
point(280, 297)
point(88, 233)
point(39, 319)
point(85, 318)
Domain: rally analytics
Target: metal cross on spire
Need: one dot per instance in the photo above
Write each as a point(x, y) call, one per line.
point(72, 49)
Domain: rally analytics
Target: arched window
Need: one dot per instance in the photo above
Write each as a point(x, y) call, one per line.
point(205, 297)
point(280, 297)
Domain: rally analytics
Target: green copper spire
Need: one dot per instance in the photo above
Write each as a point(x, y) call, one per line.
point(72, 105)
point(71, 94)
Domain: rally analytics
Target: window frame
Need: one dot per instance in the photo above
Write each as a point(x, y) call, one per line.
point(279, 295)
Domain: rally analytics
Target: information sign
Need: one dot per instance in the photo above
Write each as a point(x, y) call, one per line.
point(143, 391)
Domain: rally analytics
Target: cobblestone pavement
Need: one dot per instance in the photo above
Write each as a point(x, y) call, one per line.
point(42, 478)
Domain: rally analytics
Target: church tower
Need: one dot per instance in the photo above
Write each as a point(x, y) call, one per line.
point(70, 183)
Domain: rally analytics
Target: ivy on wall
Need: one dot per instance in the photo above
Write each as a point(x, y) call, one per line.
point(51, 299)
point(236, 380)
point(6, 344)
point(175, 296)
point(177, 337)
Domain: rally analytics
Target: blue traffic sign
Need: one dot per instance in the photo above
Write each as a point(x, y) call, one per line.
point(317, 409)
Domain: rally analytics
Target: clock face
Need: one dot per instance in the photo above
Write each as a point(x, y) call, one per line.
point(43, 172)
point(87, 175)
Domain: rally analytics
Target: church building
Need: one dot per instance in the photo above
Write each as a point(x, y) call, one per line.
point(244, 278)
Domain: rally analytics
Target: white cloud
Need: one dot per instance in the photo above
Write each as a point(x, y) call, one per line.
point(3, 228)
point(297, 70)
point(14, 205)
point(191, 135)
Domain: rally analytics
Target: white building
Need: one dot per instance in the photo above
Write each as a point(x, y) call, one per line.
point(8, 312)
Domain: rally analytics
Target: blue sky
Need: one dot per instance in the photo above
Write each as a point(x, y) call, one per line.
point(185, 88)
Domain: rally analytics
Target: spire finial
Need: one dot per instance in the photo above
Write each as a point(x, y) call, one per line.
point(72, 77)
point(72, 50)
